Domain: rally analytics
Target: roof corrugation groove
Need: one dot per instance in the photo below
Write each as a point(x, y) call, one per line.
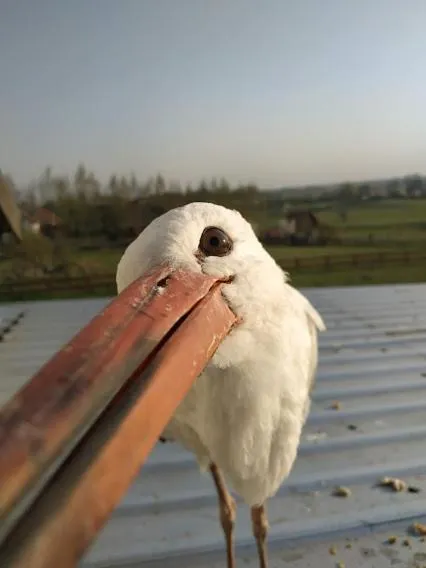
point(8, 315)
point(43, 329)
point(372, 360)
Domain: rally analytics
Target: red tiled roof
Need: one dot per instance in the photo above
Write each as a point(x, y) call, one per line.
point(45, 217)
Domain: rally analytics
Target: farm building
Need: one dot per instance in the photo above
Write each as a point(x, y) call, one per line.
point(43, 221)
point(297, 227)
point(10, 213)
point(304, 226)
point(366, 422)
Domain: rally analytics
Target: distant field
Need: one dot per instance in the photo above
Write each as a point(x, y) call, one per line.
point(106, 260)
point(380, 214)
point(394, 220)
point(403, 221)
point(362, 276)
point(282, 252)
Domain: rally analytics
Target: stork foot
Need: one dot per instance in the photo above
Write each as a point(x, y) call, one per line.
point(227, 510)
point(260, 526)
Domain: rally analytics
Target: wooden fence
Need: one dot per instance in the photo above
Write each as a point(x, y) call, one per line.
point(362, 260)
point(105, 283)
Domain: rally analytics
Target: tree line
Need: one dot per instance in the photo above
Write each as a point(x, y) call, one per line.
point(124, 205)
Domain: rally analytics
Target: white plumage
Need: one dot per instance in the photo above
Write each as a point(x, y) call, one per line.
point(245, 413)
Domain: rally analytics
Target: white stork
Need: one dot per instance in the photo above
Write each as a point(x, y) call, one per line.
point(244, 415)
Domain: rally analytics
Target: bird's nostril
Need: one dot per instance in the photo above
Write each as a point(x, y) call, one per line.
point(163, 282)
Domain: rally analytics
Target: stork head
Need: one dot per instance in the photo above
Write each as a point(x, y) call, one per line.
point(214, 241)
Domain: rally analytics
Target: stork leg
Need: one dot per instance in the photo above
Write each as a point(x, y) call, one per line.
point(260, 526)
point(227, 513)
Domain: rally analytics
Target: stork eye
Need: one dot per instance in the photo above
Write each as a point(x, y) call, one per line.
point(215, 242)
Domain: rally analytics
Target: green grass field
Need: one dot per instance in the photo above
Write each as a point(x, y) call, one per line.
point(379, 214)
point(403, 221)
point(361, 276)
point(106, 260)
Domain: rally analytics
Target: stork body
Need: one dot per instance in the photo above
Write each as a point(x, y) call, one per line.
point(244, 415)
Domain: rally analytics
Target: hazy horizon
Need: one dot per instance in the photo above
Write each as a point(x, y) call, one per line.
point(273, 92)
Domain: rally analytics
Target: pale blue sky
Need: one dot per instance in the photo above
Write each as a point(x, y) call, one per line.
point(273, 91)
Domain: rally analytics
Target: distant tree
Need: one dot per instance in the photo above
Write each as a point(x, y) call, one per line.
point(345, 199)
point(124, 188)
point(175, 187)
point(214, 186)
point(203, 187)
point(61, 188)
point(223, 186)
point(145, 189)
point(134, 187)
point(160, 186)
point(29, 200)
point(44, 185)
point(346, 191)
point(113, 185)
point(80, 181)
point(364, 191)
point(93, 187)
point(250, 189)
point(394, 189)
point(415, 185)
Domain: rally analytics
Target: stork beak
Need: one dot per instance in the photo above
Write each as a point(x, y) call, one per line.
point(160, 332)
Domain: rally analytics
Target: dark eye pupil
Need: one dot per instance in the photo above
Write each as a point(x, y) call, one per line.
point(215, 242)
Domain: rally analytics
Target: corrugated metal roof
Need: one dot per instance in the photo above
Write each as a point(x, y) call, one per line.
point(372, 360)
